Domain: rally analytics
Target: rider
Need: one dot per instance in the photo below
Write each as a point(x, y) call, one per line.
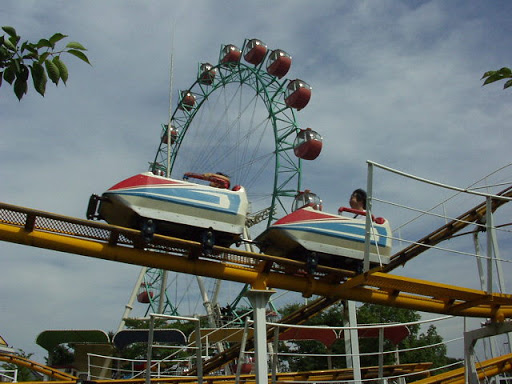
point(217, 180)
point(358, 200)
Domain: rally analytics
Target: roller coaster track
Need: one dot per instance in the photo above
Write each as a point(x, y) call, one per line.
point(475, 214)
point(488, 368)
point(103, 241)
point(367, 373)
point(485, 369)
point(261, 271)
point(33, 366)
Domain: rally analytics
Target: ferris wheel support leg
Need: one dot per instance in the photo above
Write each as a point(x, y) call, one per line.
point(259, 299)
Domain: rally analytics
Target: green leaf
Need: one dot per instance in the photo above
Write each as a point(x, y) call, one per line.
point(43, 57)
point(505, 71)
point(487, 74)
point(9, 74)
point(53, 71)
point(10, 31)
point(44, 43)
point(31, 56)
point(23, 73)
point(57, 37)
point(4, 57)
point(79, 54)
point(16, 64)
point(76, 45)
point(20, 88)
point(493, 78)
point(29, 47)
point(507, 84)
point(63, 70)
point(39, 78)
point(14, 40)
point(10, 46)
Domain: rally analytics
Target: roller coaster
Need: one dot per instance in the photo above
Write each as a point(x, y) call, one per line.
point(83, 237)
point(261, 271)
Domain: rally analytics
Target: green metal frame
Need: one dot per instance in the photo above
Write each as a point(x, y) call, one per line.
point(152, 282)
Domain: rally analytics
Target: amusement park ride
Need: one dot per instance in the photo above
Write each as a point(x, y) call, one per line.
point(195, 221)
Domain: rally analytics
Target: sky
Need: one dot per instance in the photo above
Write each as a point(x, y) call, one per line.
point(394, 82)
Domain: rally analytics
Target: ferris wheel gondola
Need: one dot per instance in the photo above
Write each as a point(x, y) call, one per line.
point(279, 63)
point(308, 144)
point(187, 101)
point(206, 74)
point(230, 54)
point(255, 51)
point(165, 135)
point(298, 93)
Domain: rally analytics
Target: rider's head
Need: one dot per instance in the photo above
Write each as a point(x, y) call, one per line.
point(358, 199)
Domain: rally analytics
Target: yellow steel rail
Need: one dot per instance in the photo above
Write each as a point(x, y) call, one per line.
point(33, 366)
point(83, 237)
point(476, 214)
point(421, 369)
point(486, 369)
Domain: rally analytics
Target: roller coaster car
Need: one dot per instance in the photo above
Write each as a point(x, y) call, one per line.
point(321, 238)
point(212, 214)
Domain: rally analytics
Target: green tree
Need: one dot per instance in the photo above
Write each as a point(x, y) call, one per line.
point(366, 314)
point(303, 358)
point(61, 355)
point(41, 60)
point(374, 314)
point(500, 74)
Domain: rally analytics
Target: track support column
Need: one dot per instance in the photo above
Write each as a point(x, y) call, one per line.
point(259, 299)
point(470, 339)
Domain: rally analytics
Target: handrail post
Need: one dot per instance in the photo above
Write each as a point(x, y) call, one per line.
point(489, 225)
point(275, 355)
point(241, 354)
point(367, 237)
point(150, 347)
point(199, 353)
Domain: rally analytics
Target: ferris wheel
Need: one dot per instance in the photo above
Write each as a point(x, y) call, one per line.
point(238, 119)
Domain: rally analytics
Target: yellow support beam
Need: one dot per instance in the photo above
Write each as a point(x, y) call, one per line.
point(34, 366)
point(344, 374)
point(486, 369)
point(377, 288)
